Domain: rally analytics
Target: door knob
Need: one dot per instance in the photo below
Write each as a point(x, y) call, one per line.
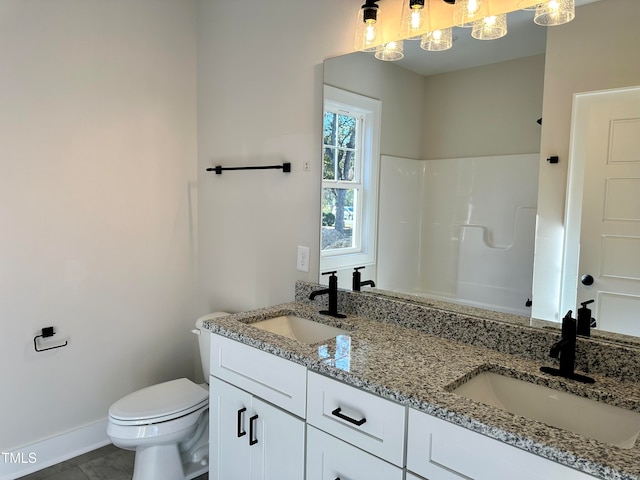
point(586, 280)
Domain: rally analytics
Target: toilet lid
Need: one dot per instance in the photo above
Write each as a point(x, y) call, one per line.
point(161, 402)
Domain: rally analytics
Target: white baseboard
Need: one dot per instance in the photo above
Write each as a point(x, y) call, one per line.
point(50, 451)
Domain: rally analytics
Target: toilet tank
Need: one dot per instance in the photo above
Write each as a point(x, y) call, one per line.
point(204, 341)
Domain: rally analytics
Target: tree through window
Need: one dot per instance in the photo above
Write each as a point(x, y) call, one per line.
point(340, 174)
point(349, 179)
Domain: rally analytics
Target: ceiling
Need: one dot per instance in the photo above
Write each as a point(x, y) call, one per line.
point(524, 38)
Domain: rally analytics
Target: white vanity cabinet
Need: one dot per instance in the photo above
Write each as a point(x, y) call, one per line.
point(357, 435)
point(439, 450)
point(276, 380)
point(259, 403)
point(250, 438)
point(329, 458)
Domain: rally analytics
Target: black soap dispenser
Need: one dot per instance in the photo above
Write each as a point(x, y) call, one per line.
point(585, 320)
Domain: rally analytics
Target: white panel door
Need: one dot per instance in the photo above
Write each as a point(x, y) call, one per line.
point(251, 439)
point(610, 226)
point(229, 413)
point(278, 440)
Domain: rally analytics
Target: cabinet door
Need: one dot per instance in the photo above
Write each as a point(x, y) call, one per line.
point(329, 458)
point(278, 440)
point(440, 450)
point(229, 413)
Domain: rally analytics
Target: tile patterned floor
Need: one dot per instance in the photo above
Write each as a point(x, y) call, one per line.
point(106, 463)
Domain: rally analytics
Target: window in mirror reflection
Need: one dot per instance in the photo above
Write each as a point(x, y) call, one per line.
point(349, 166)
point(341, 180)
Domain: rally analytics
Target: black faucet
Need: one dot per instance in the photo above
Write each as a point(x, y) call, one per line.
point(565, 350)
point(332, 291)
point(357, 283)
point(585, 321)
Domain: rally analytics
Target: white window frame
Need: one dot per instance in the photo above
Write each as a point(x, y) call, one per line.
point(364, 252)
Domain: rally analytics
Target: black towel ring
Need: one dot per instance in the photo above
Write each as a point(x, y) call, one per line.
point(47, 332)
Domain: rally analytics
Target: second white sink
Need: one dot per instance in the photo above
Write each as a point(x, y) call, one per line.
point(597, 420)
point(298, 328)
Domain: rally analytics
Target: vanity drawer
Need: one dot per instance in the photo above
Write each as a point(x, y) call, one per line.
point(365, 420)
point(267, 376)
point(442, 450)
point(330, 458)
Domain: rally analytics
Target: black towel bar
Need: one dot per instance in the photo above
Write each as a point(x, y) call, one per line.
point(285, 167)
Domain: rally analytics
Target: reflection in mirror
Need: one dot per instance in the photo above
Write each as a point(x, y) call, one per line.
point(602, 247)
point(351, 138)
point(458, 175)
point(458, 115)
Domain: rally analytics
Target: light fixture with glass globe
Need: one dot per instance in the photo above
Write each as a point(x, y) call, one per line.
point(467, 12)
point(415, 19)
point(555, 12)
point(431, 22)
point(490, 28)
point(390, 51)
point(368, 27)
point(437, 41)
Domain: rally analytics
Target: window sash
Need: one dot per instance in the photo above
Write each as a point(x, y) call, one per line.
point(356, 233)
point(365, 178)
point(336, 148)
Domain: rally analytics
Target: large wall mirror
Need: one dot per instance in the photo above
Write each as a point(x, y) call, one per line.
point(460, 159)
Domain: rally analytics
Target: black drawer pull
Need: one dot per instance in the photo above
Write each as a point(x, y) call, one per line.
point(241, 432)
point(337, 413)
point(252, 439)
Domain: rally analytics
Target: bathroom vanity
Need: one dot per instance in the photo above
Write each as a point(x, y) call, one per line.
point(379, 401)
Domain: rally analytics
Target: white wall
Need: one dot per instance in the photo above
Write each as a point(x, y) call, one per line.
point(260, 102)
point(401, 92)
point(598, 50)
point(97, 208)
point(482, 111)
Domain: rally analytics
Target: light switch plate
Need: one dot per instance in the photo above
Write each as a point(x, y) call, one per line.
point(303, 258)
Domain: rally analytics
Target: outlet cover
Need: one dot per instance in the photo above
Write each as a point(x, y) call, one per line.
point(303, 258)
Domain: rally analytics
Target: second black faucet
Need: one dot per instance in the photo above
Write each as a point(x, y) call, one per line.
point(565, 350)
point(357, 280)
point(332, 292)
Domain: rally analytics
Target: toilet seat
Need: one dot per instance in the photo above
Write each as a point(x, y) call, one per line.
point(159, 403)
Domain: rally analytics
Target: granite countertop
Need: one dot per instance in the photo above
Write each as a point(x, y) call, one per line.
point(419, 370)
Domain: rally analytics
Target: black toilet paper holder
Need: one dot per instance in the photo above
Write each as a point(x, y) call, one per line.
point(47, 332)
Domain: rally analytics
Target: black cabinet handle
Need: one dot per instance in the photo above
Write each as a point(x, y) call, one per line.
point(241, 431)
point(252, 439)
point(337, 413)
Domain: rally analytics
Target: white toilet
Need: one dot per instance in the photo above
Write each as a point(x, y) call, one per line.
point(167, 424)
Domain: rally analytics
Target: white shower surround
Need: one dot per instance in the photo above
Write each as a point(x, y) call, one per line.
point(459, 228)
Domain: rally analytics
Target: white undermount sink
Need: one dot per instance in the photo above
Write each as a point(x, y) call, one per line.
point(597, 420)
point(298, 328)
